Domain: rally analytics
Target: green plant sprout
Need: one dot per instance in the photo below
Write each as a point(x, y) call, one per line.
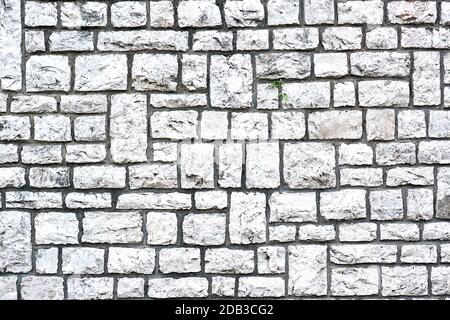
point(278, 84)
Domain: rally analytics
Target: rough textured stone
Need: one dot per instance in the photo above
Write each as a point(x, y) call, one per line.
point(128, 128)
point(225, 260)
point(42, 288)
point(247, 218)
point(47, 73)
point(283, 65)
point(197, 166)
point(354, 281)
point(293, 207)
point(82, 261)
point(155, 72)
point(231, 81)
point(343, 205)
point(309, 165)
point(307, 270)
point(56, 228)
point(178, 288)
point(399, 281)
point(112, 227)
point(363, 253)
point(261, 287)
point(101, 72)
point(204, 229)
point(15, 242)
point(131, 260)
point(90, 288)
point(179, 260)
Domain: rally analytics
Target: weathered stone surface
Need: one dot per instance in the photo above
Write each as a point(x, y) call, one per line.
point(418, 254)
point(83, 14)
point(295, 39)
point(335, 125)
point(230, 165)
point(33, 200)
point(249, 126)
point(101, 72)
point(247, 218)
point(399, 231)
point(252, 40)
point(355, 154)
point(354, 281)
point(288, 125)
point(175, 125)
point(400, 281)
point(309, 165)
point(112, 227)
point(439, 280)
point(12, 177)
point(358, 12)
point(362, 231)
point(157, 72)
point(8, 288)
point(130, 288)
point(311, 232)
point(33, 103)
point(395, 153)
point(82, 261)
point(283, 65)
point(47, 73)
point(307, 270)
point(411, 124)
point(405, 12)
point(42, 288)
point(426, 79)
point(330, 65)
point(162, 228)
point(56, 228)
point(293, 207)
point(263, 165)
point(443, 193)
point(161, 14)
point(382, 38)
point(214, 125)
point(149, 200)
point(231, 261)
point(15, 244)
point(223, 286)
point(211, 200)
point(420, 204)
point(204, 229)
point(271, 260)
point(197, 166)
point(243, 13)
point(179, 260)
point(420, 176)
point(343, 205)
point(93, 177)
point(434, 152)
point(283, 12)
point(138, 40)
point(360, 177)
point(376, 64)
point(212, 41)
point(384, 93)
point(231, 81)
point(128, 128)
point(319, 11)
point(128, 14)
point(57, 177)
point(153, 176)
point(342, 38)
point(386, 205)
point(178, 288)
point(261, 287)
point(198, 14)
point(47, 261)
point(363, 253)
point(71, 41)
point(90, 288)
point(307, 95)
point(131, 260)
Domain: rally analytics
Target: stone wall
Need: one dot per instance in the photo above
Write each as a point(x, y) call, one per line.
point(239, 148)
